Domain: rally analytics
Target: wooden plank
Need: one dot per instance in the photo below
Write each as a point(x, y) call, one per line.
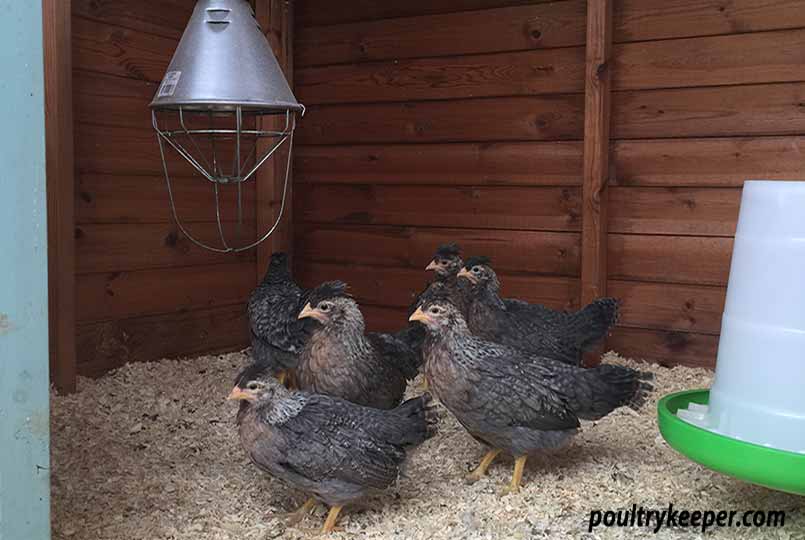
point(120, 295)
point(114, 50)
point(110, 100)
point(670, 259)
point(397, 287)
point(103, 198)
point(534, 163)
point(124, 247)
point(667, 348)
point(677, 211)
point(323, 12)
point(526, 73)
point(545, 118)
point(384, 319)
point(638, 20)
point(662, 306)
point(713, 162)
point(524, 208)
point(764, 109)
point(511, 251)
point(276, 19)
point(596, 151)
point(557, 24)
point(108, 345)
point(764, 57)
point(166, 18)
point(57, 33)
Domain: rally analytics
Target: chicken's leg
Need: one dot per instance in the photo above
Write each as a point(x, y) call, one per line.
point(295, 517)
point(517, 476)
point(329, 523)
point(480, 470)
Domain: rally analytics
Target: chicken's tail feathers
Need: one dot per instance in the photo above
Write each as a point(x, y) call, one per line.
point(419, 421)
point(595, 320)
point(612, 386)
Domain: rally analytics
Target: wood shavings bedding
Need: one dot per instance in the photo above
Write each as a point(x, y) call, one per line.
point(151, 452)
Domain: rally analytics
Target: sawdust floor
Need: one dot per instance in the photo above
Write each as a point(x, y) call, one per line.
point(151, 452)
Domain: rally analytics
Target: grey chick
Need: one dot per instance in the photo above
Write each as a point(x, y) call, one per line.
point(341, 360)
point(532, 328)
point(278, 336)
point(512, 402)
point(334, 450)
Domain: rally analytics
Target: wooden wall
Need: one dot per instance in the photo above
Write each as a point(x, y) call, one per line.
point(143, 291)
point(463, 120)
point(439, 121)
point(706, 95)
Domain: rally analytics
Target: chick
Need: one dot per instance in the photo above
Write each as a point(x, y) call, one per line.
point(446, 264)
point(512, 402)
point(340, 360)
point(278, 336)
point(334, 450)
point(533, 328)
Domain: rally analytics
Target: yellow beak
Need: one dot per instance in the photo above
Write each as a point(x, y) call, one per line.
point(419, 315)
point(467, 274)
point(237, 394)
point(308, 311)
point(432, 265)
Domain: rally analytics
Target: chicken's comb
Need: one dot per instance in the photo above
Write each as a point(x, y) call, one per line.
point(328, 289)
point(475, 261)
point(448, 250)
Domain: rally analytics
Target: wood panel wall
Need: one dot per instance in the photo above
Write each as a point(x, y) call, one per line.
point(143, 291)
point(706, 95)
point(463, 120)
point(431, 122)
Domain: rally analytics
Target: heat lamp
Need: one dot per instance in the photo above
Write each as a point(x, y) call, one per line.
point(225, 107)
point(751, 423)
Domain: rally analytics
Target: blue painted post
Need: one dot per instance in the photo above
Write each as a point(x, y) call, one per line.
point(24, 409)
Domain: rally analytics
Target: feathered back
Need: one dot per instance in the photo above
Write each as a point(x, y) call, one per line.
point(476, 260)
point(446, 251)
point(327, 291)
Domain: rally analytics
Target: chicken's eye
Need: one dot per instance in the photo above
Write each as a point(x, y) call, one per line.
point(325, 306)
point(476, 270)
point(252, 385)
point(434, 310)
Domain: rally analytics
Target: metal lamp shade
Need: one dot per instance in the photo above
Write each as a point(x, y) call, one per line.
point(224, 61)
point(222, 79)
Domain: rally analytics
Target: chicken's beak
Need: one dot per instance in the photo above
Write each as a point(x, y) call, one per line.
point(419, 315)
point(467, 274)
point(309, 311)
point(237, 394)
point(432, 265)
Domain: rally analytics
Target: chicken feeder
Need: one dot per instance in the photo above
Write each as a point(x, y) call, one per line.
point(751, 423)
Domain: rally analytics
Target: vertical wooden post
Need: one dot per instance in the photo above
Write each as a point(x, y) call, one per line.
point(24, 391)
point(276, 20)
point(596, 150)
point(60, 191)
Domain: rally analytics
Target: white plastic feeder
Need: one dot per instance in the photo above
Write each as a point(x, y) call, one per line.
point(751, 423)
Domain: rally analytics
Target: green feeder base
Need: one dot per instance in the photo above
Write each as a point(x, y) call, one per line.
point(769, 467)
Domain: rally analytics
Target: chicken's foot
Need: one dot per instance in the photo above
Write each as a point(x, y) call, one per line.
point(295, 517)
point(517, 476)
point(480, 470)
point(332, 517)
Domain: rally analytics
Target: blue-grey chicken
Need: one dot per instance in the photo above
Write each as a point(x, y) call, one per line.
point(532, 328)
point(340, 359)
point(513, 402)
point(334, 450)
point(278, 336)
